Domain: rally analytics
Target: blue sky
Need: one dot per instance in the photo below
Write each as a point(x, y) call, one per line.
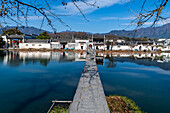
point(112, 15)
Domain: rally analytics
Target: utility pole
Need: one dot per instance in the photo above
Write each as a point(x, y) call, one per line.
point(104, 42)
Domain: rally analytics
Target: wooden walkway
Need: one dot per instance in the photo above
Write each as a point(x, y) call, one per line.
point(89, 97)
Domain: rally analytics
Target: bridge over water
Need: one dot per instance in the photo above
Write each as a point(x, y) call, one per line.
point(89, 97)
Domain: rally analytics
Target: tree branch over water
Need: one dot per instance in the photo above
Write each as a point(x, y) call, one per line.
point(153, 15)
point(19, 10)
point(15, 10)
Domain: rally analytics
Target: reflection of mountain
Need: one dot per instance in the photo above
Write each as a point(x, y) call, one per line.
point(146, 62)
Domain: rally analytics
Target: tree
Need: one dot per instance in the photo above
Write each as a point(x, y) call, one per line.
point(22, 9)
point(2, 43)
point(12, 32)
point(144, 15)
point(43, 35)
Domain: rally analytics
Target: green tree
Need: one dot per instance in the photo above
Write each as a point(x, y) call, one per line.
point(12, 32)
point(2, 43)
point(43, 35)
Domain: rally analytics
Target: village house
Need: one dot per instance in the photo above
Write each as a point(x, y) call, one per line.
point(163, 45)
point(163, 42)
point(144, 46)
point(35, 44)
point(13, 41)
point(122, 45)
point(99, 43)
point(81, 44)
point(63, 44)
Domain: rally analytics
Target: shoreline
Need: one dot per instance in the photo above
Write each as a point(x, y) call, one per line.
point(116, 104)
point(97, 51)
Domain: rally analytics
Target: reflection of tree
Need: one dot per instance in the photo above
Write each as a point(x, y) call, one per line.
point(15, 61)
point(2, 55)
point(44, 62)
point(110, 63)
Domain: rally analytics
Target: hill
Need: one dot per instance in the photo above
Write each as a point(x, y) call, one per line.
point(25, 30)
point(150, 32)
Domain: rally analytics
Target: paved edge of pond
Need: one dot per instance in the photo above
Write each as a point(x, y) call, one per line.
point(89, 96)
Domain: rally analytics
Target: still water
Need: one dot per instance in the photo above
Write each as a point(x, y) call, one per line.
point(29, 81)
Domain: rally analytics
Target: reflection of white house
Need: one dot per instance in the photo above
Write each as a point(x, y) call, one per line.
point(80, 56)
point(81, 44)
point(35, 55)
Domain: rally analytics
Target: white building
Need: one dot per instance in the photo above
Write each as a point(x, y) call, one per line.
point(35, 44)
point(121, 46)
point(144, 46)
point(55, 45)
point(81, 44)
point(99, 43)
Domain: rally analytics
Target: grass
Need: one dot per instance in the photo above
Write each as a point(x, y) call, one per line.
point(60, 109)
point(121, 104)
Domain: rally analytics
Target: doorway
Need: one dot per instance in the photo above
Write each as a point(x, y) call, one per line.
point(81, 47)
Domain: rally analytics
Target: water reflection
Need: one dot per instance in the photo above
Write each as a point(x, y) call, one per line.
point(15, 59)
point(31, 80)
point(161, 60)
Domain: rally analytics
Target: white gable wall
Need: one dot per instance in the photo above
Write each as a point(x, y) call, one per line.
point(34, 46)
point(121, 47)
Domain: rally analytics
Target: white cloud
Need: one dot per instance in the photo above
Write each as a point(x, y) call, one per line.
point(71, 8)
point(160, 71)
point(31, 18)
point(118, 18)
point(150, 23)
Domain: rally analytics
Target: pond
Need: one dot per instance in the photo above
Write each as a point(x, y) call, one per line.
point(31, 80)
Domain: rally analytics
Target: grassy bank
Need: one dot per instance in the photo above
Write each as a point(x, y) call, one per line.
point(61, 108)
point(117, 104)
point(121, 104)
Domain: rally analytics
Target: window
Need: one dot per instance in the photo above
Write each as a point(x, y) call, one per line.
point(39, 44)
point(33, 44)
point(26, 44)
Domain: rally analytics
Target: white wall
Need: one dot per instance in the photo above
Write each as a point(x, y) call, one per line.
point(121, 47)
point(34, 46)
point(55, 45)
point(143, 47)
point(81, 43)
point(100, 47)
point(71, 45)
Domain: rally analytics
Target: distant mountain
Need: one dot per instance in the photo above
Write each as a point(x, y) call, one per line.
point(25, 30)
point(150, 32)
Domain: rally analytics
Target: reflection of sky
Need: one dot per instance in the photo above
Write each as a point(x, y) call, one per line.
point(31, 87)
point(149, 86)
point(31, 81)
